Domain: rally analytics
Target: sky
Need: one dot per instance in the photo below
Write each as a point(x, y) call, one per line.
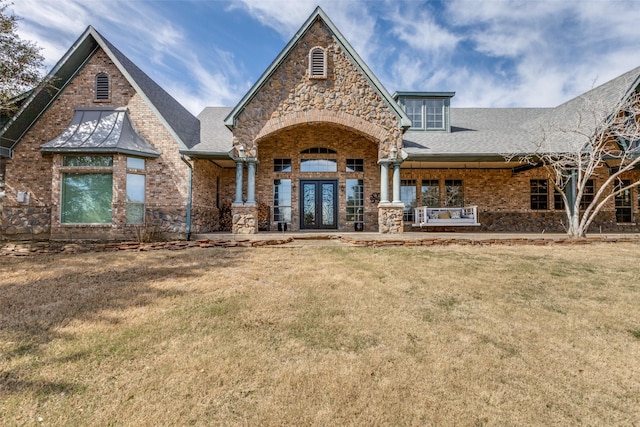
point(494, 53)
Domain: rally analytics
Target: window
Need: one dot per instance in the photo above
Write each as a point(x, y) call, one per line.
point(318, 165)
point(318, 150)
point(317, 63)
point(453, 193)
point(435, 113)
point(558, 203)
point(355, 200)
point(623, 202)
point(355, 165)
point(282, 200)
point(413, 108)
point(430, 193)
point(135, 191)
point(102, 87)
point(427, 111)
point(539, 192)
point(408, 197)
point(282, 165)
point(87, 195)
point(588, 194)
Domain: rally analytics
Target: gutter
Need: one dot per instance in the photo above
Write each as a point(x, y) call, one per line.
point(189, 195)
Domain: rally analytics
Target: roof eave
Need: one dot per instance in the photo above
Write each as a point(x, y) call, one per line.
point(106, 150)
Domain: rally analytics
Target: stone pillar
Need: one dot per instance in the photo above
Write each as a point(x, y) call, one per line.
point(238, 199)
point(384, 182)
point(245, 219)
point(390, 218)
point(251, 182)
point(396, 183)
point(390, 214)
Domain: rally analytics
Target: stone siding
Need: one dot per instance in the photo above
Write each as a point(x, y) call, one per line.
point(245, 219)
point(40, 174)
point(345, 98)
point(391, 219)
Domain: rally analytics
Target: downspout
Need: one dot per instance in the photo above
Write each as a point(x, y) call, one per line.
point(189, 195)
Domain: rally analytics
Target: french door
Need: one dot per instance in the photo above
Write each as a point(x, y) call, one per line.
point(318, 204)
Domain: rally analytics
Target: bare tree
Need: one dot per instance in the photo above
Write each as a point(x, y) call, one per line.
point(599, 141)
point(20, 62)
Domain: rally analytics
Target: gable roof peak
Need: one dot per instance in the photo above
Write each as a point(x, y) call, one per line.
point(319, 14)
point(183, 126)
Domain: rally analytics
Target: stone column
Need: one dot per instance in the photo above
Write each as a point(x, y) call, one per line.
point(238, 199)
point(251, 182)
point(396, 183)
point(384, 182)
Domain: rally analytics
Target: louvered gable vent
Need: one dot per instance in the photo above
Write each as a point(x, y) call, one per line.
point(317, 63)
point(102, 86)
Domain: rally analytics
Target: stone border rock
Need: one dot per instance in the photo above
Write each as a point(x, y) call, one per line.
point(20, 249)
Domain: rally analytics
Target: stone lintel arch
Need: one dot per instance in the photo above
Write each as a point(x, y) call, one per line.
point(369, 130)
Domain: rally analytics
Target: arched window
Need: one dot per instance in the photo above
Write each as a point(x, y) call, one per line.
point(317, 63)
point(102, 86)
point(318, 150)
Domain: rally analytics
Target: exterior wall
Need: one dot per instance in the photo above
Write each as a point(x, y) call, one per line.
point(345, 97)
point(503, 200)
point(211, 188)
point(289, 143)
point(39, 174)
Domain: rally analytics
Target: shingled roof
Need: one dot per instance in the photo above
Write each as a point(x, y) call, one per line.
point(184, 127)
point(489, 133)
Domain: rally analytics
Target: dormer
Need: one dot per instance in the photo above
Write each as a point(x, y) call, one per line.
point(428, 111)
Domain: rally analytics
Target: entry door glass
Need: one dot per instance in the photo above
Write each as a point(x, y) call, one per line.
point(318, 204)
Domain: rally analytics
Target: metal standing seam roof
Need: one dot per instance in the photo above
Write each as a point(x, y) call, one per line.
point(101, 130)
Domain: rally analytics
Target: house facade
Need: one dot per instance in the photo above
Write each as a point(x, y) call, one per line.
point(102, 152)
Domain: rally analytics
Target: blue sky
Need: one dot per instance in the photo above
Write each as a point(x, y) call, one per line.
point(496, 53)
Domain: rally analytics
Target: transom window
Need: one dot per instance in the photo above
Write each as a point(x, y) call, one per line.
point(282, 165)
point(317, 63)
point(355, 165)
point(102, 86)
point(318, 165)
point(318, 150)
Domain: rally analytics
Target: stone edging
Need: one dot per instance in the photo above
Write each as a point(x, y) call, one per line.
point(19, 249)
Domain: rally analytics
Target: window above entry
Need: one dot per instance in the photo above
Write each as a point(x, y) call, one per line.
point(427, 110)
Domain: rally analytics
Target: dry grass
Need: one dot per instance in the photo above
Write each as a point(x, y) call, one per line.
point(472, 336)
